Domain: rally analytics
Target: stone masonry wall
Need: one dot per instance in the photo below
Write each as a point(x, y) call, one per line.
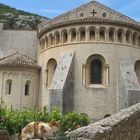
point(61, 89)
point(23, 41)
point(125, 125)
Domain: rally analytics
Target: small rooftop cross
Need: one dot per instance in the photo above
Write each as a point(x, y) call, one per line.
point(93, 12)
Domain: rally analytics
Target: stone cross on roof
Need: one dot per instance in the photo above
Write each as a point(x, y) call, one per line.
point(93, 12)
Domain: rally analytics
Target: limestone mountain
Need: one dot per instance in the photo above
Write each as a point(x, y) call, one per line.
point(18, 19)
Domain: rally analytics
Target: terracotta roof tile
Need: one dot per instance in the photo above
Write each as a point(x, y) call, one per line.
point(18, 60)
point(85, 11)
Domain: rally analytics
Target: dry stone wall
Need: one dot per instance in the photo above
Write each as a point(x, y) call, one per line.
point(124, 125)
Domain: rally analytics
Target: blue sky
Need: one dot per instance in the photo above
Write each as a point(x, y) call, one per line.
point(52, 8)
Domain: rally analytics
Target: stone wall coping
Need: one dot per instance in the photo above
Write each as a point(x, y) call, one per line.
point(105, 125)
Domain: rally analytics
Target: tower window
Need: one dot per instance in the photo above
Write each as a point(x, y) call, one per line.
point(102, 35)
point(73, 35)
point(82, 35)
point(128, 38)
point(120, 36)
point(65, 37)
point(8, 87)
point(111, 36)
point(96, 72)
point(92, 35)
point(50, 69)
point(27, 88)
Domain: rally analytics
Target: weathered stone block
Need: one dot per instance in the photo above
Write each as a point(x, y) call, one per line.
point(121, 126)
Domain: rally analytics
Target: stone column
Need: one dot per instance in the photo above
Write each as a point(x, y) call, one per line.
point(86, 35)
point(107, 74)
point(84, 74)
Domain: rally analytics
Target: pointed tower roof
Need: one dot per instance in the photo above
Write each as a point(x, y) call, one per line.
point(18, 60)
point(94, 11)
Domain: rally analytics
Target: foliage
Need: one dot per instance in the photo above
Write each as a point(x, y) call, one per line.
point(7, 9)
point(15, 18)
point(73, 120)
point(14, 120)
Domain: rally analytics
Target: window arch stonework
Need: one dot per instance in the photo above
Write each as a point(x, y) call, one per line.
point(102, 35)
point(42, 43)
point(96, 71)
point(128, 37)
point(73, 35)
point(92, 34)
point(120, 36)
point(46, 41)
point(111, 35)
point(27, 88)
point(82, 34)
point(51, 41)
point(64, 36)
point(8, 87)
point(134, 38)
point(57, 38)
point(50, 69)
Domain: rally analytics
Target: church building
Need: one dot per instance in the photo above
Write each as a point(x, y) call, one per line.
point(86, 60)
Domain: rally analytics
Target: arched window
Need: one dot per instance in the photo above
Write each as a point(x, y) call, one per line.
point(111, 36)
point(51, 66)
point(102, 35)
point(120, 36)
point(8, 87)
point(134, 39)
point(27, 88)
point(57, 38)
point(139, 41)
point(96, 72)
point(73, 35)
point(137, 70)
point(65, 37)
point(51, 39)
point(42, 43)
point(46, 41)
point(82, 35)
point(92, 35)
point(128, 37)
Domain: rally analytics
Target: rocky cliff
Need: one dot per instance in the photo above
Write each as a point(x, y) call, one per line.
point(18, 19)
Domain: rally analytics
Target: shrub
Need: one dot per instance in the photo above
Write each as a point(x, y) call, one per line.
point(73, 120)
point(14, 120)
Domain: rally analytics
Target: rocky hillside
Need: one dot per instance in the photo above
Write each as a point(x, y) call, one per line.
point(18, 19)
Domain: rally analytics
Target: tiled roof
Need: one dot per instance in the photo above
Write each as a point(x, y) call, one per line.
point(85, 11)
point(18, 60)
